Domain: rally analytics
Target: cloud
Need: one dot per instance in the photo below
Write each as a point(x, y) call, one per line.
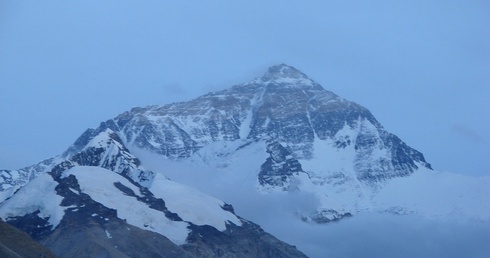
point(364, 235)
point(468, 133)
point(381, 235)
point(174, 89)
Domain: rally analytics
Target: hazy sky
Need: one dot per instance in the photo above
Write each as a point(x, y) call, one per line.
point(421, 67)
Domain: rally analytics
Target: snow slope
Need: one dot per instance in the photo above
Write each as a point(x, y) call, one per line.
point(39, 196)
point(192, 205)
point(98, 183)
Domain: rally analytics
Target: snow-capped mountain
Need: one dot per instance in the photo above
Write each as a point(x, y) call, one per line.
point(294, 136)
point(281, 137)
point(283, 106)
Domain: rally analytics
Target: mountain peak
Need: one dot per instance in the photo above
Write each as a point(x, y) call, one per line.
point(283, 71)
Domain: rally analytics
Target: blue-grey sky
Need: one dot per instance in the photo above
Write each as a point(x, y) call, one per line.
point(422, 67)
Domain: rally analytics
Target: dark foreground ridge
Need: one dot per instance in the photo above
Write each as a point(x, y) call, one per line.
point(15, 243)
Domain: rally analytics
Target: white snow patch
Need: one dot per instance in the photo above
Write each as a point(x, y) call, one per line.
point(98, 183)
point(332, 176)
point(4, 195)
point(245, 125)
point(74, 191)
point(192, 205)
point(38, 194)
point(291, 82)
point(108, 234)
point(100, 140)
point(14, 175)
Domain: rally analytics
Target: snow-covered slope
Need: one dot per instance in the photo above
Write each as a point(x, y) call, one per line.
point(39, 198)
point(111, 190)
point(12, 180)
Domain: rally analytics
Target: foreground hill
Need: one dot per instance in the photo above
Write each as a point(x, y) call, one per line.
point(16, 243)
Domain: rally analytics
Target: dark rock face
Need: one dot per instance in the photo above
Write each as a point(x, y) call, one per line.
point(250, 241)
point(279, 169)
point(32, 224)
point(327, 215)
point(115, 238)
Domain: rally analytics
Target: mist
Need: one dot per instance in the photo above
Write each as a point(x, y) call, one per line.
point(363, 235)
point(383, 235)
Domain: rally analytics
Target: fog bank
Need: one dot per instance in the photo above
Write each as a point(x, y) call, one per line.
point(364, 235)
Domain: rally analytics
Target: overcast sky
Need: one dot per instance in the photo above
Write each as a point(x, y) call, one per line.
point(421, 67)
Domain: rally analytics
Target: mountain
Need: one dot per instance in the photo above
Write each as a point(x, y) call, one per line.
point(294, 136)
point(279, 148)
point(97, 200)
point(285, 107)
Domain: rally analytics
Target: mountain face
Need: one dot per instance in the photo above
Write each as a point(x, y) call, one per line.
point(280, 137)
point(315, 141)
point(284, 106)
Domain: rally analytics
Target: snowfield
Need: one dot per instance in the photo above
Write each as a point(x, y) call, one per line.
point(98, 183)
point(192, 205)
